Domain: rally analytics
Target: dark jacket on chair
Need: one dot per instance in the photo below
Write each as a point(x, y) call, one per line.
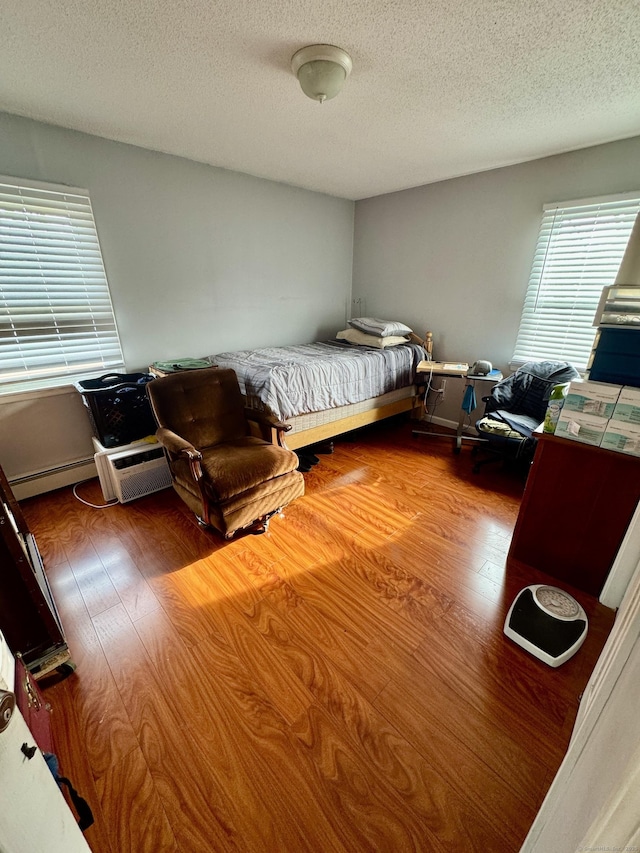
point(521, 399)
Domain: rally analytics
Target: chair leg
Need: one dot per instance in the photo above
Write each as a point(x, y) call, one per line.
point(510, 452)
point(496, 456)
point(261, 525)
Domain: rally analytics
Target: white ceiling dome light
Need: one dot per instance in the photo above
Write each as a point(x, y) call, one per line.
point(321, 70)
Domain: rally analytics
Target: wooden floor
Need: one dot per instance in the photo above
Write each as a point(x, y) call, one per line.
point(339, 684)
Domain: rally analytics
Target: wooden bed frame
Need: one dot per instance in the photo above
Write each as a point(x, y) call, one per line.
point(324, 432)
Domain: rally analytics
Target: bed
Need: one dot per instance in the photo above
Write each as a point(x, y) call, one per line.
point(328, 388)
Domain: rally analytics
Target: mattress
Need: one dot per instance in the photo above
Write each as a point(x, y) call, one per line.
point(329, 416)
point(309, 378)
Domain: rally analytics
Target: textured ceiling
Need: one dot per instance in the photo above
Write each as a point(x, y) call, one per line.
point(439, 88)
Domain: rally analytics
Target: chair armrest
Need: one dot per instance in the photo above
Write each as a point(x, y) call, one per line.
point(271, 428)
point(265, 419)
point(175, 444)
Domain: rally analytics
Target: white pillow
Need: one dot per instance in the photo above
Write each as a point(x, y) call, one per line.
point(354, 336)
point(379, 328)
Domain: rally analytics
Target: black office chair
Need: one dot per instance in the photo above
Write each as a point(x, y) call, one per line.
point(516, 407)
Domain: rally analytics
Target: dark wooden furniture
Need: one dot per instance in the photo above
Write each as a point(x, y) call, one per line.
point(28, 616)
point(577, 505)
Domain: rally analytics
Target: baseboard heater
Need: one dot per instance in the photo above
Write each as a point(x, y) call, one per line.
point(39, 482)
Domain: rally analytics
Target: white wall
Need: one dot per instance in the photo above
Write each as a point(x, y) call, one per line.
point(199, 260)
point(455, 257)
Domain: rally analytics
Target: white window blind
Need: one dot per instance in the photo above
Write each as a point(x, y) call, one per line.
point(56, 316)
point(579, 250)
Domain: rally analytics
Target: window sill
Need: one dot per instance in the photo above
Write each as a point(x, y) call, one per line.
point(65, 386)
point(35, 394)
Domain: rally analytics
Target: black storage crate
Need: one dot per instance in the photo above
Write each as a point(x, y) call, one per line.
point(118, 407)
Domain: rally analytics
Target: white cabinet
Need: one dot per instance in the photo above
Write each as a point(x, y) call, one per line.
point(34, 816)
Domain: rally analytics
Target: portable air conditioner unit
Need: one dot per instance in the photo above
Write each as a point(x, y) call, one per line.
point(547, 622)
point(138, 473)
point(132, 472)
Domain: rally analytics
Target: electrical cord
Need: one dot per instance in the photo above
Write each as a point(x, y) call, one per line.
point(438, 399)
point(86, 503)
point(429, 387)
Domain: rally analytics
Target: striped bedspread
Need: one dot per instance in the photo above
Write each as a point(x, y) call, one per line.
point(296, 380)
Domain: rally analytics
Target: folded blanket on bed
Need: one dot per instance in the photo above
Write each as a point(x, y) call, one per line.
point(296, 380)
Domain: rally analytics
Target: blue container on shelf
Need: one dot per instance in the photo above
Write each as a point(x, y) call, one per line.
point(617, 357)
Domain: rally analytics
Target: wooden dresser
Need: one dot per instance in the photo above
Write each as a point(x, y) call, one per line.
point(577, 505)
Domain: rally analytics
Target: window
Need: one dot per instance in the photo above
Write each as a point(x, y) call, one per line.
point(56, 317)
point(580, 247)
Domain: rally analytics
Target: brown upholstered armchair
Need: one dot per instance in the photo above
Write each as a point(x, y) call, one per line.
point(228, 476)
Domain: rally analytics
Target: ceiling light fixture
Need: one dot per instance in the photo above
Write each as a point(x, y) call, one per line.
point(321, 70)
